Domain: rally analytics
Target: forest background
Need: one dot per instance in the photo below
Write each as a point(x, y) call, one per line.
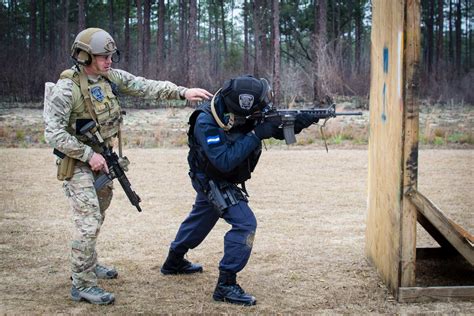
point(306, 48)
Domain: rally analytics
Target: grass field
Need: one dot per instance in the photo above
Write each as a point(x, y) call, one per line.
point(308, 253)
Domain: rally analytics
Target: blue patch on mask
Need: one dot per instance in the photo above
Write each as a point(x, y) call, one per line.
point(213, 140)
point(97, 94)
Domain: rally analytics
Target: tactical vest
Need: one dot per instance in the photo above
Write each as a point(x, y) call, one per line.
point(199, 162)
point(104, 104)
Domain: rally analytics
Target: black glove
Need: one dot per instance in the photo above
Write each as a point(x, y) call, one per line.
point(267, 130)
point(304, 120)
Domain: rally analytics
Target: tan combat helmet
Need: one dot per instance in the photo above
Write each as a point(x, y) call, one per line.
point(93, 41)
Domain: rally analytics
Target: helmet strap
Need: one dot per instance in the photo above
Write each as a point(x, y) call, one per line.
point(216, 117)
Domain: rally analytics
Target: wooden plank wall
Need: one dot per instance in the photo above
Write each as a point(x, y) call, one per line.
point(385, 183)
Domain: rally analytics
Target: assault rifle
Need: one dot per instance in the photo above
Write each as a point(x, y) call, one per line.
point(115, 169)
point(286, 117)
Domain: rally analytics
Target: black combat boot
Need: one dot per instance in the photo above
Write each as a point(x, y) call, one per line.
point(176, 264)
point(227, 290)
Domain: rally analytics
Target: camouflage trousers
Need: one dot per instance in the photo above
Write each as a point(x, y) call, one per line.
point(88, 210)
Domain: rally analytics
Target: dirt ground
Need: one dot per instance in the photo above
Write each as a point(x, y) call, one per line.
point(308, 253)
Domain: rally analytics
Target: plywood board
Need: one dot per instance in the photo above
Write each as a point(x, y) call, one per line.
point(385, 190)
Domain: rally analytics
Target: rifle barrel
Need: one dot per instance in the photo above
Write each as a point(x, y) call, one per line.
point(348, 113)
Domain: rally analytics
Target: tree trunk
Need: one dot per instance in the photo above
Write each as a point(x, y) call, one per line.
point(217, 58)
point(349, 28)
point(451, 40)
point(127, 35)
point(52, 33)
point(160, 47)
point(276, 52)
point(211, 51)
point(182, 36)
point(458, 36)
point(429, 35)
point(319, 46)
point(359, 16)
point(334, 24)
point(147, 38)
point(81, 16)
point(43, 28)
point(265, 59)
point(32, 44)
point(139, 38)
point(65, 30)
point(440, 35)
point(468, 35)
point(257, 11)
point(111, 19)
point(192, 60)
point(246, 37)
point(224, 33)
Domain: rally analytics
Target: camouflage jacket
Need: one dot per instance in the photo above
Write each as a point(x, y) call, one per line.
point(65, 98)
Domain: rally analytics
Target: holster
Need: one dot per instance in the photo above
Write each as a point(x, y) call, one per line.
point(66, 168)
point(223, 195)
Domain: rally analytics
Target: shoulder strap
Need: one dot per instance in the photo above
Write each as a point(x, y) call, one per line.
point(84, 85)
point(70, 74)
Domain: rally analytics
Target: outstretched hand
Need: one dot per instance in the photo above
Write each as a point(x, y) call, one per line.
point(197, 94)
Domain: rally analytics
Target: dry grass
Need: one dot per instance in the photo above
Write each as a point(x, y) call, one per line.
point(308, 254)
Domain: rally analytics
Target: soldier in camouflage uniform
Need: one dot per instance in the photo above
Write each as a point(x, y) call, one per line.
point(88, 92)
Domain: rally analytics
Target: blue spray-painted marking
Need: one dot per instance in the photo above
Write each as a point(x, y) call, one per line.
point(384, 90)
point(384, 116)
point(385, 60)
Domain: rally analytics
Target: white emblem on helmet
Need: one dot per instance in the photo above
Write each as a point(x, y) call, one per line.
point(246, 101)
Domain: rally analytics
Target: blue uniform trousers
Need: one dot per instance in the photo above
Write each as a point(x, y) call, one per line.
point(237, 241)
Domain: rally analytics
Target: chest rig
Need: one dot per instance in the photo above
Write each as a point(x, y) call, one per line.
point(100, 104)
point(199, 162)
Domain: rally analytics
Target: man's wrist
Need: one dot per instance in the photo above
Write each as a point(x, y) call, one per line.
point(182, 93)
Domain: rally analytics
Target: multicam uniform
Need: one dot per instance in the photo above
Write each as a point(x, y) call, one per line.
point(64, 111)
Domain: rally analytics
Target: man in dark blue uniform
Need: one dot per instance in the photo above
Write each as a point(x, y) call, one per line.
point(224, 149)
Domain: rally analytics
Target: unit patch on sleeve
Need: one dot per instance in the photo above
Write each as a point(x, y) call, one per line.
point(212, 137)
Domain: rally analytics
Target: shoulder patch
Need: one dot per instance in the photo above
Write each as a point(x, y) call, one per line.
point(212, 137)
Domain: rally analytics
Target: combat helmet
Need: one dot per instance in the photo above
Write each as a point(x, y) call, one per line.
point(245, 95)
point(93, 41)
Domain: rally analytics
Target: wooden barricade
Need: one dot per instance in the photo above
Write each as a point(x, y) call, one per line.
point(394, 204)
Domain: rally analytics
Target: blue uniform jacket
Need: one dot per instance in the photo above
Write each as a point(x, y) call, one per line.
point(225, 151)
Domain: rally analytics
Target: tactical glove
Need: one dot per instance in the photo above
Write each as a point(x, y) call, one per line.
point(304, 120)
point(266, 130)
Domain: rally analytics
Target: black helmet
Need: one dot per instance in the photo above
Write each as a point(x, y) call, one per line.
point(246, 94)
